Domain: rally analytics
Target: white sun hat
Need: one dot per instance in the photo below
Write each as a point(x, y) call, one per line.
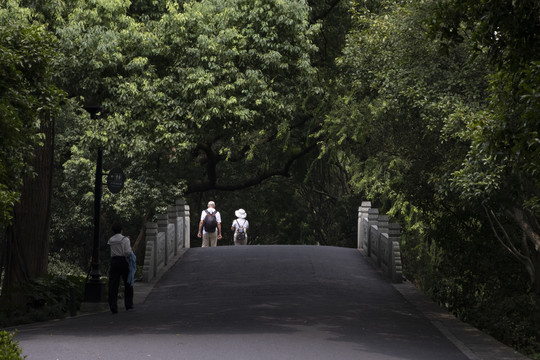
point(240, 213)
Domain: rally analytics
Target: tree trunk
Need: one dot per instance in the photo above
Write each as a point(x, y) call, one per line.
point(29, 243)
point(139, 248)
point(536, 283)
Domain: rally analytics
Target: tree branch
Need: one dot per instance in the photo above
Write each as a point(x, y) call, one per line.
point(211, 162)
point(326, 12)
point(518, 216)
point(255, 180)
point(509, 246)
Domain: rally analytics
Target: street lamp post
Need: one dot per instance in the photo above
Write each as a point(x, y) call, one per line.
point(94, 291)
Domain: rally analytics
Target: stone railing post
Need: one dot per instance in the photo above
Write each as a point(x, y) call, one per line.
point(171, 231)
point(362, 214)
point(371, 220)
point(162, 239)
point(149, 268)
point(187, 226)
point(395, 253)
point(382, 225)
point(373, 241)
point(384, 259)
point(180, 227)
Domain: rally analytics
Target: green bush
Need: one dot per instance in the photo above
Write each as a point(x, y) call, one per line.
point(489, 291)
point(39, 300)
point(61, 267)
point(46, 298)
point(9, 348)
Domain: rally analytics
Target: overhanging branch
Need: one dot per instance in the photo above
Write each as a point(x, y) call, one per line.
point(253, 181)
point(323, 14)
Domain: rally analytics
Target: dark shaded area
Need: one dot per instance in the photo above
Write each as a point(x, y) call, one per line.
point(263, 302)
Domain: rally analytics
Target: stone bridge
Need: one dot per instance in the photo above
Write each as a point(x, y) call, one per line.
point(169, 237)
point(265, 303)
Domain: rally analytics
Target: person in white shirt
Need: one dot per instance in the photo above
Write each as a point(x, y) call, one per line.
point(211, 231)
point(240, 226)
point(120, 252)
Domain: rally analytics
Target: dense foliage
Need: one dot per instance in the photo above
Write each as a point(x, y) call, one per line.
point(55, 296)
point(9, 348)
point(295, 111)
point(419, 121)
point(27, 96)
point(501, 168)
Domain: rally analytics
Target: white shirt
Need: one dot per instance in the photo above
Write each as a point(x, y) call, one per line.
point(240, 223)
point(120, 245)
point(210, 210)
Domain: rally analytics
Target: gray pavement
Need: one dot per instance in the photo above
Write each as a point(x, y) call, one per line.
point(266, 302)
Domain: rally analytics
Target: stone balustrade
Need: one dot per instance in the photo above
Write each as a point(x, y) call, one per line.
point(380, 240)
point(166, 240)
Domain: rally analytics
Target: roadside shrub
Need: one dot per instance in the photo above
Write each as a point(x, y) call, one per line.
point(61, 267)
point(9, 348)
point(46, 298)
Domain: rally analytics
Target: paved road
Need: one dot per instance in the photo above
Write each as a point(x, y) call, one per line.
point(258, 302)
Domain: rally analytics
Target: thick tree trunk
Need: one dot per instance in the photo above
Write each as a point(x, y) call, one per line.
point(29, 243)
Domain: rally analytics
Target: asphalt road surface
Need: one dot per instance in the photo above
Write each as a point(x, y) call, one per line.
point(253, 302)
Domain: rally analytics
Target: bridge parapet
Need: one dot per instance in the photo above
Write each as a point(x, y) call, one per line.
point(380, 240)
point(166, 239)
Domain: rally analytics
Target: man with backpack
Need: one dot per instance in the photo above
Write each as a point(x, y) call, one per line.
point(210, 226)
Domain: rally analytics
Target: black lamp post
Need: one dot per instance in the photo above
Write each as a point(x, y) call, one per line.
point(94, 291)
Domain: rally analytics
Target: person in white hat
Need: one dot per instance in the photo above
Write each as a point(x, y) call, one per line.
point(240, 226)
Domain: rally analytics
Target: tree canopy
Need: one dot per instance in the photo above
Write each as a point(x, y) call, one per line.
point(295, 111)
point(28, 98)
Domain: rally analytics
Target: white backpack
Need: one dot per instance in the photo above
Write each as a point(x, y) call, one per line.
point(240, 231)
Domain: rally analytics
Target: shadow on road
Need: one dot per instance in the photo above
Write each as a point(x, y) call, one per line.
point(254, 302)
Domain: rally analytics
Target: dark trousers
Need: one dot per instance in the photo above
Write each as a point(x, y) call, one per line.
point(119, 269)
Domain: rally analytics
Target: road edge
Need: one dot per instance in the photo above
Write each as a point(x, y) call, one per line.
point(472, 342)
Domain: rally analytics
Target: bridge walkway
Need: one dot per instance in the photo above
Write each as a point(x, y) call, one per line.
point(267, 302)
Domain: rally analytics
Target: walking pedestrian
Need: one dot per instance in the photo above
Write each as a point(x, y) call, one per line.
point(210, 226)
point(240, 226)
point(121, 256)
